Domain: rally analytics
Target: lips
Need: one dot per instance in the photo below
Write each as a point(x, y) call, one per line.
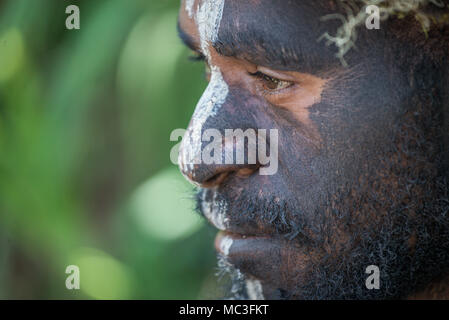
point(274, 261)
point(255, 248)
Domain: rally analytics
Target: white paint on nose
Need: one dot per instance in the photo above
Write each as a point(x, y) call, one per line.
point(208, 106)
point(208, 19)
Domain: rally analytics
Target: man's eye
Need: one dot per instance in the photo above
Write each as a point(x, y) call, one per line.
point(271, 83)
point(197, 57)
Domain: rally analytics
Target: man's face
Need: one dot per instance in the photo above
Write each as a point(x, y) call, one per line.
point(357, 156)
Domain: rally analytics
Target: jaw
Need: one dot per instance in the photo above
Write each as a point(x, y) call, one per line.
point(332, 266)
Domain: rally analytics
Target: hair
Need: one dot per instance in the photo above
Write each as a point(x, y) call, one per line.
point(418, 37)
point(429, 15)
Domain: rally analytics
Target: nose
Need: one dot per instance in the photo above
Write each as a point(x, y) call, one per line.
point(206, 155)
point(206, 174)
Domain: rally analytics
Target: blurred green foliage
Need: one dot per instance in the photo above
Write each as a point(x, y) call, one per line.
point(85, 173)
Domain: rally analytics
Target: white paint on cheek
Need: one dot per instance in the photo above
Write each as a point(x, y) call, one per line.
point(208, 106)
point(254, 289)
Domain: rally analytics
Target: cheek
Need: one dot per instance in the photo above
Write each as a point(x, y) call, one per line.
point(358, 115)
point(300, 102)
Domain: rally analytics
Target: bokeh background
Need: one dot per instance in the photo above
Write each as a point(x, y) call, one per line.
point(85, 171)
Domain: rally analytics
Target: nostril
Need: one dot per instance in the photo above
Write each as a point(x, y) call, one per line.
point(220, 177)
point(212, 175)
point(215, 180)
point(246, 172)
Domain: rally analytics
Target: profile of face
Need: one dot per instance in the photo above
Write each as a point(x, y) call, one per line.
point(361, 177)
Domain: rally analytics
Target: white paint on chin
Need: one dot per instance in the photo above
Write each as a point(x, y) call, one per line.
point(225, 245)
point(254, 289)
point(215, 211)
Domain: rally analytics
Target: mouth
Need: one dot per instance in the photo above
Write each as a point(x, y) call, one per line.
point(225, 239)
point(266, 258)
point(240, 239)
point(240, 248)
point(273, 262)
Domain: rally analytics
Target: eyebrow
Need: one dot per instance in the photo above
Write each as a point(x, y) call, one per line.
point(262, 45)
point(227, 46)
point(258, 45)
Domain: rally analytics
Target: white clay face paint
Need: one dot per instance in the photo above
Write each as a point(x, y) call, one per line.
point(225, 245)
point(254, 289)
point(208, 19)
point(189, 7)
point(212, 99)
point(215, 210)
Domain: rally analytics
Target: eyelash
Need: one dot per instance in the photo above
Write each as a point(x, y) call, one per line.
point(266, 79)
point(262, 77)
point(197, 57)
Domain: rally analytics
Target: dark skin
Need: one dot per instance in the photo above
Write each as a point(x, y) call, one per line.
point(362, 163)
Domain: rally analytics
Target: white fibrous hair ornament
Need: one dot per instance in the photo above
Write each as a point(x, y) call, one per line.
point(356, 15)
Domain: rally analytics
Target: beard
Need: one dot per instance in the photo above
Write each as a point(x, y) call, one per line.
point(381, 199)
point(394, 216)
point(409, 244)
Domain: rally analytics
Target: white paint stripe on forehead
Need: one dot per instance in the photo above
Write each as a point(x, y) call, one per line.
point(208, 19)
point(189, 7)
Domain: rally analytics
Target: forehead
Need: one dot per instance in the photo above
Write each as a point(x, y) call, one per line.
point(275, 33)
